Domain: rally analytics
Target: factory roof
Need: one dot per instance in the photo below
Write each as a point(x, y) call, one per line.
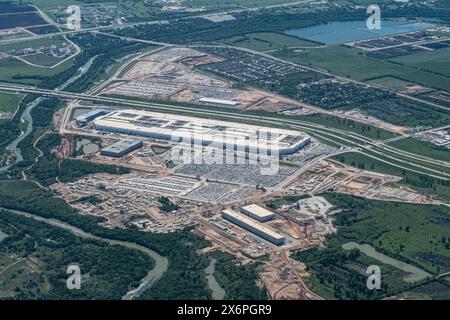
point(258, 211)
point(207, 130)
point(91, 114)
point(121, 146)
point(253, 223)
point(220, 101)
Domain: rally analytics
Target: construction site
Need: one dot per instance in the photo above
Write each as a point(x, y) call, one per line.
point(176, 74)
point(235, 205)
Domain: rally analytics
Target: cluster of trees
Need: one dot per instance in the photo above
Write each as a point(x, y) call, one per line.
point(238, 281)
point(202, 30)
point(185, 277)
point(167, 205)
point(109, 270)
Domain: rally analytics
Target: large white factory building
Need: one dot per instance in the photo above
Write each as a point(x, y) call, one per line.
point(253, 139)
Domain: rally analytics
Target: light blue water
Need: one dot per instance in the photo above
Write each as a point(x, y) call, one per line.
point(338, 32)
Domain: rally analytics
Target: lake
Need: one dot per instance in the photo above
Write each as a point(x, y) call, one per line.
point(347, 31)
point(415, 274)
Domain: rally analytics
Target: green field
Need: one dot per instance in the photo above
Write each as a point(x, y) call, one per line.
point(31, 44)
point(13, 70)
point(351, 63)
point(415, 234)
point(9, 102)
point(391, 83)
point(265, 41)
point(423, 148)
point(436, 61)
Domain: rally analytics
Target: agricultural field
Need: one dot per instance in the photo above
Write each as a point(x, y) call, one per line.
point(436, 61)
point(351, 63)
point(12, 70)
point(14, 15)
point(9, 102)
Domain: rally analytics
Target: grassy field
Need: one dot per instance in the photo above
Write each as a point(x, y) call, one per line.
point(391, 83)
point(265, 41)
point(31, 44)
point(9, 102)
point(434, 61)
point(349, 62)
point(13, 70)
point(423, 148)
point(413, 233)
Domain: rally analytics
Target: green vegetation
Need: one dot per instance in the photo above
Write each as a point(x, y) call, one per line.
point(435, 62)
point(167, 206)
point(407, 232)
point(49, 168)
point(43, 253)
point(265, 41)
point(185, 278)
point(423, 148)
point(351, 63)
point(239, 281)
point(9, 102)
point(432, 291)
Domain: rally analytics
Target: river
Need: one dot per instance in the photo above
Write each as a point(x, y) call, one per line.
point(218, 293)
point(26, 116)
point(414, 274)
point(161, 263)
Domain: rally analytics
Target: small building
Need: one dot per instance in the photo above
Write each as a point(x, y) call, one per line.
point(258, 213)
point(121, 148)
point(91, 115)
point(253, 226)
point(220, 102)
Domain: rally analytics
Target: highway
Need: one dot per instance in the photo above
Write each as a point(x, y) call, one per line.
point(365, 145)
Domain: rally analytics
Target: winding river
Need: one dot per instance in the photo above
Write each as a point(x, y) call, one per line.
point(26, 116)
point(161, 263)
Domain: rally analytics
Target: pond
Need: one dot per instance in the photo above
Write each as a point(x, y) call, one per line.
point(347, 31)
point(87, 146)
point(415, 274)
point(218, 293)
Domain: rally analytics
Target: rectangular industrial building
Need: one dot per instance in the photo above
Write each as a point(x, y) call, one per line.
point(184, 129)
point(220, 102)
point(121, 148)
point(258, 213)
point(91, 115)
point(253, 226)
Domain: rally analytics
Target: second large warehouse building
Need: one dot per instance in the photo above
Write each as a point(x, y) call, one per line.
point(253, 226)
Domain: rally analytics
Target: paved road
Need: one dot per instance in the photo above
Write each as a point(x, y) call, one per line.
point(364, 143)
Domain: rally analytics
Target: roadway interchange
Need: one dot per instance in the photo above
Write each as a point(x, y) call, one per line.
point(369, 147)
